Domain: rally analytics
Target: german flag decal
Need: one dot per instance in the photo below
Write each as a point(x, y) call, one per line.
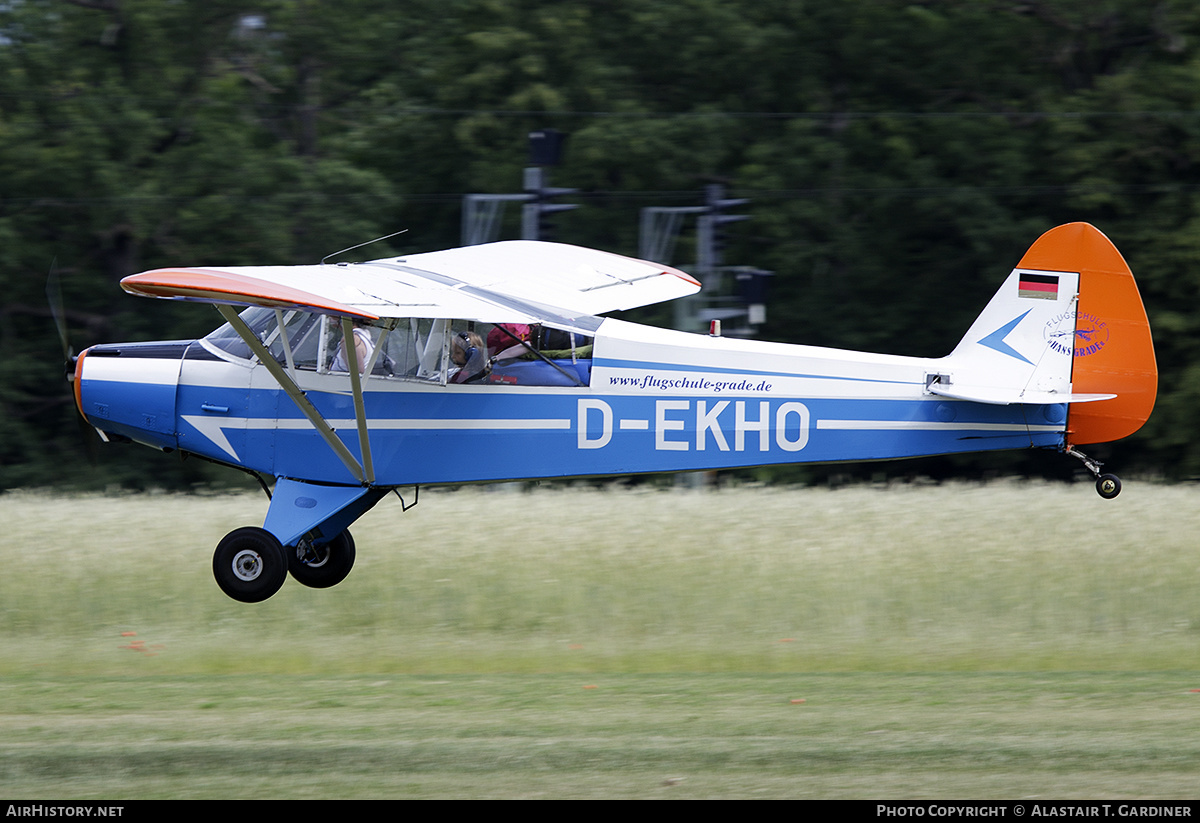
point(1041, 286)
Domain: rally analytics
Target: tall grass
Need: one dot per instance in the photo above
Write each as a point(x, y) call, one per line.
point(1004, 576)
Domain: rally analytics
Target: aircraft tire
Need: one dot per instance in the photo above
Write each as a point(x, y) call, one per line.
point(1108, 486)
point(335, 560)
point(249, 564)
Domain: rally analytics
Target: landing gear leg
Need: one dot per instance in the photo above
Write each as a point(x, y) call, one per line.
point(1108, 486)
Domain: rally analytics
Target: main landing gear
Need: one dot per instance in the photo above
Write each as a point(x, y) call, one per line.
point(250, 564)
point(1108, 486)
point(320, 567)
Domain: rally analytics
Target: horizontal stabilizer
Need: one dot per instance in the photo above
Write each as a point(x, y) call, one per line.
point(998, 396)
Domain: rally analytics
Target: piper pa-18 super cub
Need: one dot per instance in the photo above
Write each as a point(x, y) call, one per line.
point(345, 382)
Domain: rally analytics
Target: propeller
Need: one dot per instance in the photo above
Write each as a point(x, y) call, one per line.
point(55, 298)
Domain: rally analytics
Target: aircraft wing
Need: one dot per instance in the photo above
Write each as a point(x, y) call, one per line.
point(507, 282)
point(570, 278)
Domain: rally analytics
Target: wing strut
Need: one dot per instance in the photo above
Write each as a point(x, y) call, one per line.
point(360, 409)
point(305, 406)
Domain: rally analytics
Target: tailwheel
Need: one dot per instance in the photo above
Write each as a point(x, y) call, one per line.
point(249, 564)
point(322, 566)
point(1108, 486)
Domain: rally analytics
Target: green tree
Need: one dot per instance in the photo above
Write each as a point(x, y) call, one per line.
point(899, 158)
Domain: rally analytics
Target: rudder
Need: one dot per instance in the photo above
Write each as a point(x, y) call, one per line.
point(1113, 351)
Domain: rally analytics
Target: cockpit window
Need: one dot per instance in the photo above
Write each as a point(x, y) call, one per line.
point(303, 332)
point(415, 349)
point(427, 350)
point(538, 355)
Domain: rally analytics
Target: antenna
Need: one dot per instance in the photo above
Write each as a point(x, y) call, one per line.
point(360, 245)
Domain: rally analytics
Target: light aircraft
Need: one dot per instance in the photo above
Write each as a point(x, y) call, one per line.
point(490, 362)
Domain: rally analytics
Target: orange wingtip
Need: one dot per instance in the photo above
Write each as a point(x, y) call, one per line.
point(214, 286)
point(665, 269)
point(682, 275)
point(1114, 351)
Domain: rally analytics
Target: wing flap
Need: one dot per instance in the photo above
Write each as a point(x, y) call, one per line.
point(571, 279)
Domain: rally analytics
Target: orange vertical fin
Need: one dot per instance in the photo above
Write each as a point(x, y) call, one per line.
point(1114, 352)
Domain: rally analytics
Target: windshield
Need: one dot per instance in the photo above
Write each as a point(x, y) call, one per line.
point(300, 327)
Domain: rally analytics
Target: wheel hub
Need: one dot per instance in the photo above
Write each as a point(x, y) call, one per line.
point(247, 565)
point(312, 556)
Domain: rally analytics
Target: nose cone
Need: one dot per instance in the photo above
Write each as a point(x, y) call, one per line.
point(128, 391)
point(76, 382)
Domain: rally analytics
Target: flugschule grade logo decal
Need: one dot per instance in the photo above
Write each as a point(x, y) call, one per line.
point(1076, 333)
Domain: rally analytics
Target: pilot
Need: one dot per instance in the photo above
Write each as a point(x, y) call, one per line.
point(469, 356)
point(363, 348)
point(508, 340)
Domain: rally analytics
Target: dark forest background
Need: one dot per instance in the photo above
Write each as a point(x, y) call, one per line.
point(898, 158)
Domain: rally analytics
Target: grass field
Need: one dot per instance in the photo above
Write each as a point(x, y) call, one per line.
point(999, 640)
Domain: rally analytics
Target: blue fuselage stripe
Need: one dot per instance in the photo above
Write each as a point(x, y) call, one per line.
point(456, 436)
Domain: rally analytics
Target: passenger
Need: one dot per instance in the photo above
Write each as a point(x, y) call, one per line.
point(364, 347)
point(470, 358)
